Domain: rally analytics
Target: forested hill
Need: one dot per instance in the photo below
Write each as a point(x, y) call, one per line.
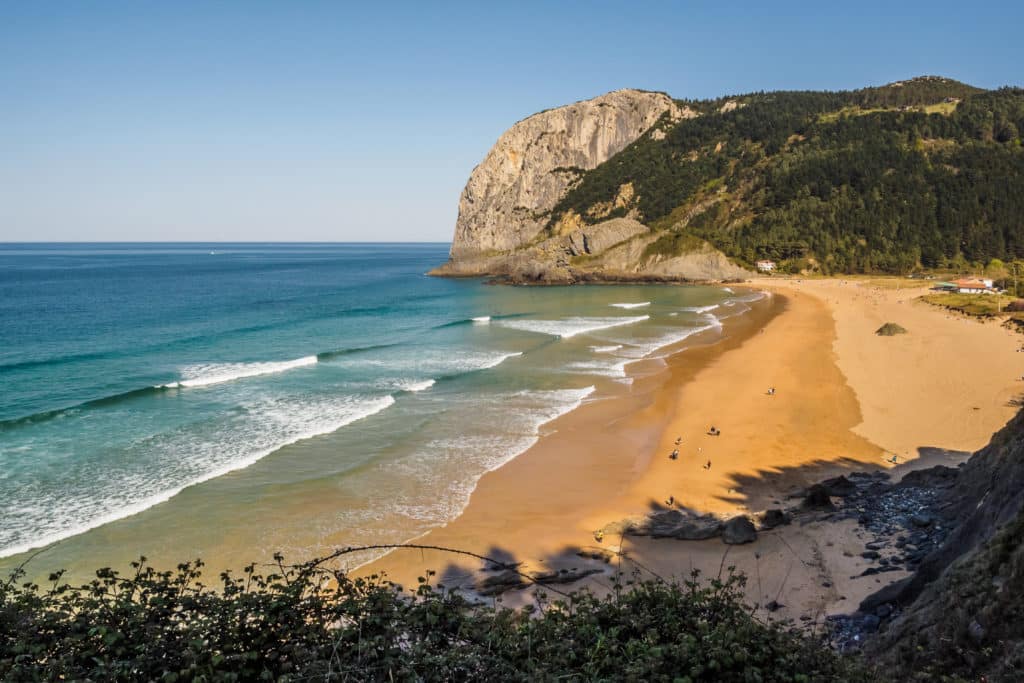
point(925, 172)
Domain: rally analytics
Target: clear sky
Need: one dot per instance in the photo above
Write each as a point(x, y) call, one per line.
point(334, 121)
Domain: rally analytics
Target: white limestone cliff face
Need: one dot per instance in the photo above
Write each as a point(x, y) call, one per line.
point(509, 196)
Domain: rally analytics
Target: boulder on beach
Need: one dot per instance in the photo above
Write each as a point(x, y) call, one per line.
point(817, 498)
point(739, 530)
point(497, 584)
point(890, 330)
point(773, 518)
point(839, 486)
point(677, 524)
point(562, 575)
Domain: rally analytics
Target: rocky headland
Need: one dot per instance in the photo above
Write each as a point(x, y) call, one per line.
point(505, 229)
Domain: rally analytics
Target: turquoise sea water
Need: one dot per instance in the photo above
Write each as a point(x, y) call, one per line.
point(199, 398)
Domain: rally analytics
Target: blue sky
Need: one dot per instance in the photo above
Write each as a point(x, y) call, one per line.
point(336, 122)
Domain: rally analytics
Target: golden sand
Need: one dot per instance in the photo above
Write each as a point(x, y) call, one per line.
point(845, 400)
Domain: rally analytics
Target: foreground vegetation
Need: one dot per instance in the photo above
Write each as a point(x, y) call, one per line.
point(298, 623)
point(929, 172)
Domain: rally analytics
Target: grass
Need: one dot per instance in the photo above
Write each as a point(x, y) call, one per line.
point(981, 306)
point(833, 116)
point(977, 305)
point(673, 244)
point(944, 108)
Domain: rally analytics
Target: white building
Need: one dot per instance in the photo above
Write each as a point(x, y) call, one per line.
point(974, 285)
point(765, 266)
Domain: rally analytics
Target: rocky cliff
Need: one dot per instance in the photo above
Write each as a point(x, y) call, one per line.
point(958, 615)
point(505, 210)
point(827, 182)
point(509, 196)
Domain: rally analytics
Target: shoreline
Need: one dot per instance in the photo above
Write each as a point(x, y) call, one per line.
point(602, 445)
point(832, 414)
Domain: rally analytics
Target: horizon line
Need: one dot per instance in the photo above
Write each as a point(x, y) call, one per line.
point(224, 242)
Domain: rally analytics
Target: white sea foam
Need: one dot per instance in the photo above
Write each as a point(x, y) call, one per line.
point(439, 365)
point(713, 320)
point(414, 386)
point(748, 298)
point(606, 349)
point(727, 289)
point(594, 367)
point(700, 309)
point(482, 319)
point(639, 305)
point(518, 419)
point(675, 337)
point(216, 373)
point(570, 327)
point(174, 461)
point(495, 361)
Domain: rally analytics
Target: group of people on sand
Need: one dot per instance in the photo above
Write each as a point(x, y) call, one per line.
point(674, 455)
point(712, 431)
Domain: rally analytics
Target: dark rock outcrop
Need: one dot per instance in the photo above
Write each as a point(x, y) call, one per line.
point(739, 530)
point(959, 612)
point(773, 518)
point(817, 498)
point(677, 524)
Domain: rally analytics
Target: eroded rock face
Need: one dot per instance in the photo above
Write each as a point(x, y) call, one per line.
point(509, 196)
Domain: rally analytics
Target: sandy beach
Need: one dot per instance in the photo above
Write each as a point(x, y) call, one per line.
point(845, 400)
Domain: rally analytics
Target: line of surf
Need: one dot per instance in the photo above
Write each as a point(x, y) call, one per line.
point(195, 381)
point(208, 375)
point(570, 327)
point(480, 320)
point(461, 491)
point(372, 408)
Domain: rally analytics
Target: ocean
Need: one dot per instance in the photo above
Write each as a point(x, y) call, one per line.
point(232, 400)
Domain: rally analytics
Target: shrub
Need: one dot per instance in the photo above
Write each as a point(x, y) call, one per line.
point(304, 622)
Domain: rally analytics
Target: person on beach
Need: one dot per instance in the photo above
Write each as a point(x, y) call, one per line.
point(713, 431)
point(598, 535)
point(708, 466)
point(674, 454)
point(670, 501)
point(679, 440)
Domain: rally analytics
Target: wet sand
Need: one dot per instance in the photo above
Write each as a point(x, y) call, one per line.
point(845, 400)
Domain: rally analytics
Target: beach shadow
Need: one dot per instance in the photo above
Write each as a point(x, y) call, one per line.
point(654, 505)
point(930, 456)
point(779, 486)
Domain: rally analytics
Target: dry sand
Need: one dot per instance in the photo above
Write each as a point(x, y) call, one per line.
point(845, 400)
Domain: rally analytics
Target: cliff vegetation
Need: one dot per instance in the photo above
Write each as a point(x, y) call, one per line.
point(927, 172)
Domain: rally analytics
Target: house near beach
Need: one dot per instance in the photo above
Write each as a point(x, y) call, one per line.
point(973, 285)
point(765, 266)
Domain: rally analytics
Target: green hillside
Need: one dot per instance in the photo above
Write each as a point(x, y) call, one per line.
point(927, 172)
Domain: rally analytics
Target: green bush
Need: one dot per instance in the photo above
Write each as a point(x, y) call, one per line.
point(306, 622)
